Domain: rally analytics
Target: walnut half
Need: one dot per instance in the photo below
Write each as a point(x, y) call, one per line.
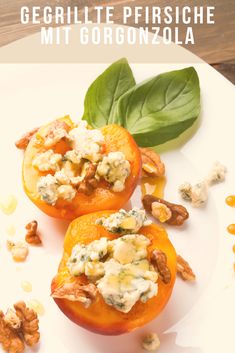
point(74, 291)
point(184, 270)
point(17, 327)
point(159, 262)
point(89, 182)
point(23, 142)
point(177, 213)
point(151, 163)
point(9, 337)
point(29, 323)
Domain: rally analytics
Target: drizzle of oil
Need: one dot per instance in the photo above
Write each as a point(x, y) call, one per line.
point(230, 200)
point(234, 248)
point(26, 286)
point(8, 204)
point(36, 306)
point(11, 230)
point(231, 229)
point(153, 186)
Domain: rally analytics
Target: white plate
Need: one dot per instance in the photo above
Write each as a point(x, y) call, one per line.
point(200, 316)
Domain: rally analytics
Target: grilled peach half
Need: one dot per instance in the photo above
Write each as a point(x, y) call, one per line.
point(100, 317)
point(102, 198)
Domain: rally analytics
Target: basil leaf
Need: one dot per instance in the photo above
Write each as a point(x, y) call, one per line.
point(160, 109)
point(103, 94)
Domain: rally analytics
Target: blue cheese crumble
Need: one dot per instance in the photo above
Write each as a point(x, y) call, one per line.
point(47, 188)
point(119, 268)
point(115, 169)
point(86, 142)
point(198, 194)
point(50, 190)
point(125, 221)
point(47, 161)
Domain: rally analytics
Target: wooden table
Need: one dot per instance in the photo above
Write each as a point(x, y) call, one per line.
point(214, 43)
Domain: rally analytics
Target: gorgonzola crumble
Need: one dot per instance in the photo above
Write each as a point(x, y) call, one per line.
point(125, 221)
point(119, 268)
point(115, 169)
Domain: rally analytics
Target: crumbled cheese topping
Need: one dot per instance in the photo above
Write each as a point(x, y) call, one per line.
point(54, 137)
point(73, 156)
point(87, 142)
point(119, 268)
point(47, 161)
point(83, 255)
point(47, 187)
point(66, 192)
point(129, 248)
point(115, 169)
point(123, 285)
point(70, 169)
point(125, 221)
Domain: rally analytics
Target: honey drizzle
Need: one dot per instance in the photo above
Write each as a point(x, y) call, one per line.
point(230, 200)
point(231, 228)
point(153, 186)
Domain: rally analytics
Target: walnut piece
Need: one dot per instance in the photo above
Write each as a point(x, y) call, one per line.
point(89, 183)
point(32, 236)
point(151, 163)
point(23, 142)
point(29, 323)
point(159, 262)
point(76, 292)
point(151, 342)
point(18, 327)
point(12, 320)
point(9, 338)
point(179, 214)
point(184, 270)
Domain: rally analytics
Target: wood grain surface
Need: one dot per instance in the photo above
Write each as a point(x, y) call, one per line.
point(213, 43)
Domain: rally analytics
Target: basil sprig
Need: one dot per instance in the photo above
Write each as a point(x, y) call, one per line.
point(154, 111)
point(104, 93)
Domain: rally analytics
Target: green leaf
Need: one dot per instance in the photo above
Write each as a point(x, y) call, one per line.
point(103, 94)
point(160, 109)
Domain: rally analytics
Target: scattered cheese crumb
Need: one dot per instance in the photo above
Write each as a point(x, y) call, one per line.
point(217, 174)
point(198, 194)
point(151, 342)
point(19, 251)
